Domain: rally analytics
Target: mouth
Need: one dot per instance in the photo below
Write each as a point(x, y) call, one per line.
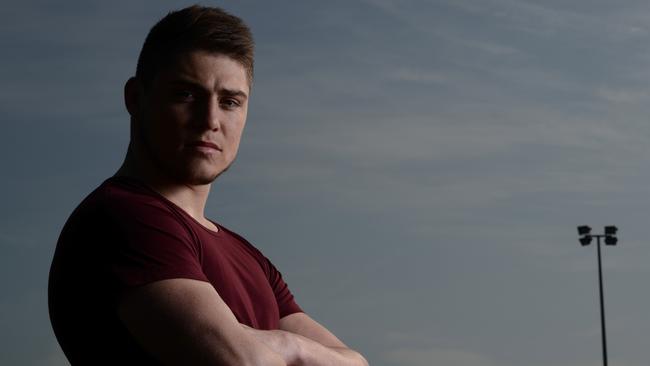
point(204, 145)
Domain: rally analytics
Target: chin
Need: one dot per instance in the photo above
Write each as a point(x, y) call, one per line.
point(202, 177)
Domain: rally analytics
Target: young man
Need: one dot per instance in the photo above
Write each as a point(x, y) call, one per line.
point(139, 275)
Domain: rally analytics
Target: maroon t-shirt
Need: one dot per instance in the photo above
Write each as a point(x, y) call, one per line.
point(124, 235)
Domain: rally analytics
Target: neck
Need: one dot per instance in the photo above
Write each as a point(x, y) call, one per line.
point(191, 198)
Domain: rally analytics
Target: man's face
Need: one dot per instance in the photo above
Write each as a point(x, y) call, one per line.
point(192, 116)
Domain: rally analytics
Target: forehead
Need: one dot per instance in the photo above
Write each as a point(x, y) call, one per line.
point(206, 68)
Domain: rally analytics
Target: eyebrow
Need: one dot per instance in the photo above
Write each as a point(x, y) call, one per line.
point(233, 93)
point(225, 91)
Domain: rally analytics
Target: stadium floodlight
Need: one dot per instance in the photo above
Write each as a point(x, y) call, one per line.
point(610, 230)
point(584, 230)
point(586, 240)
point(610, 239)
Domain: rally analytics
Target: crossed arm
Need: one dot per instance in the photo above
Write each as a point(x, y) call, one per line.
point(185, 322)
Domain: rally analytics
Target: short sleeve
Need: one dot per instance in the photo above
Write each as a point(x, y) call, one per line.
point(286, 303)
point(149, 242)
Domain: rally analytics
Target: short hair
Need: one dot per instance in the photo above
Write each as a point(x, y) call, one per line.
point(190, 29)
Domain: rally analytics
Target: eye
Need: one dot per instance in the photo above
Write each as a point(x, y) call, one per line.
point(229, 103)
point(184, 95)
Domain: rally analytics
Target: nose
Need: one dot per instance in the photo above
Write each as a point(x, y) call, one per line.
point(210, 116)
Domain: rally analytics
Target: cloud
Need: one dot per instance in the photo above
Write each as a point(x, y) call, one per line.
point(543, 19)
point(624, 95)
point(419, 76)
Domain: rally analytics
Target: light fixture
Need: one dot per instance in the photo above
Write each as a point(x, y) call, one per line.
point(584, 230)
point(610, 230)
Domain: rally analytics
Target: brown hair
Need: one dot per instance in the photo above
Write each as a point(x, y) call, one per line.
point(195, 28)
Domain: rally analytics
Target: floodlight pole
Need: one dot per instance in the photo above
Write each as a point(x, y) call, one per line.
point(610, 239)
point(602, 302)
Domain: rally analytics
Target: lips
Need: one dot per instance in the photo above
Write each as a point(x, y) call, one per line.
point(206, 144)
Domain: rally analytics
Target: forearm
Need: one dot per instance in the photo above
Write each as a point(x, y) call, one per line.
point(302, 351)
point(315, 354)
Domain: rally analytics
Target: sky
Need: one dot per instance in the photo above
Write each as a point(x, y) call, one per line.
point(416, 169)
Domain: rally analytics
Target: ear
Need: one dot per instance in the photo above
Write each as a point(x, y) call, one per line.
point(133, 96)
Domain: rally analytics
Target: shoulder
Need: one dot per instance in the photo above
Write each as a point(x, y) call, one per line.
point(129, 196)
point(131, 200)
point(120, 193)
point(127, 206)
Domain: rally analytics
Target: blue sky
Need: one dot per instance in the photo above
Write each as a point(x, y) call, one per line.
point(416, 169)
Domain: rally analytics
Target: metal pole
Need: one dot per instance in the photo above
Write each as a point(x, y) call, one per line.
point(602, 304)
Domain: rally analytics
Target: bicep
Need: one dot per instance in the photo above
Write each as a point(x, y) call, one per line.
point(304, 325)
point(184, 321)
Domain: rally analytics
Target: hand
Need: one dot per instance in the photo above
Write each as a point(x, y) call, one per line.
point(298, 350)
